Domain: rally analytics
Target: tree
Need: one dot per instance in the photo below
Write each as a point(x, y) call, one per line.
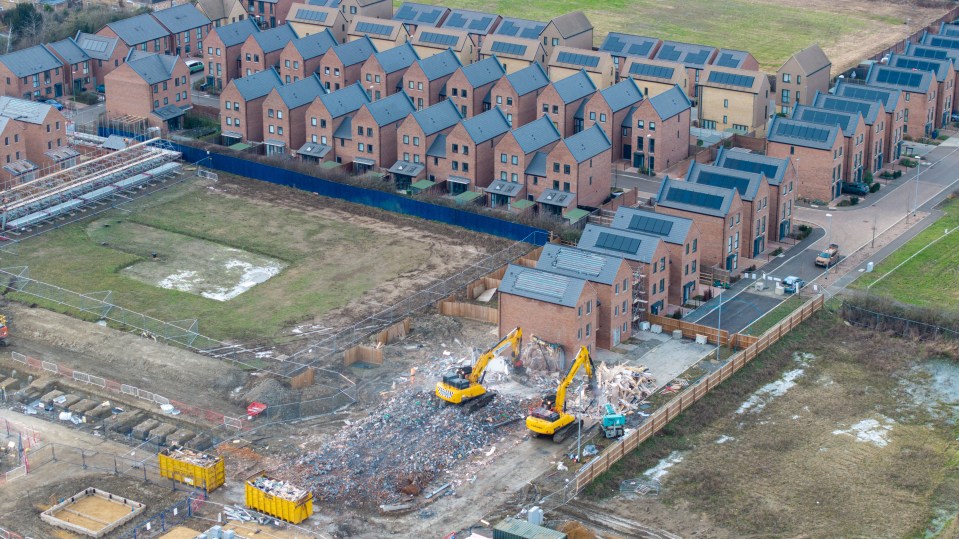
point(26, 23)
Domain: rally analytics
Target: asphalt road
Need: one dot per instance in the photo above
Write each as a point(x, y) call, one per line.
point(739, 311)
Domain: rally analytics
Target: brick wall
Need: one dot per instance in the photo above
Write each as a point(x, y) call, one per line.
point(815, 168)
point(671, 136)
point(552, 323)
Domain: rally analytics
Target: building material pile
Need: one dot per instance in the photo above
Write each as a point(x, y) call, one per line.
point(398, 450)
point(623, 386)
point(278, 488)
point(193, 457)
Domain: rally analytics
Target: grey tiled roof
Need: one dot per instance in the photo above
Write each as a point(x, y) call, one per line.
point(747, 183)
point(22, 110)
point(542, 286)
point(575, 86)
point(98, 47)
point(438, 117)
point(572, 24)
point(483, 72)
point(440, 65)
point(474, 22)
point(695, 197)
point(314, 45)
point(487, 125)
point(345, 101)
point(621, 95)
point(258, 84)
point(869, 109)
point(623, 45)
point(168, 112)
point(138, 29)
point(503, 187)
point(438, 148)
point(619, 242)
point(420, 14)
point(939, 67)
point(588, 143)
point(355, 52)
point(391, 109)
point(275, 39)
point(799, 133)
point(579, 263)
point(301, 92)
point(730, 58)
point(30, 61)
point(153, 68)
point(812, 59)
point(688, 54)
point(529, 79)
point(670, 228)
point(670, 103)
point(397, 58)
point(903, 79)
point(536, 134)
point(555, 197)
point(236, 33)
point(345, 129)
point(773, 168)
point(929, 51)
point(889, 98)
point(181, 18)
point(523, 28)
point(846, 121)
point(69, 51)
point(537, 165)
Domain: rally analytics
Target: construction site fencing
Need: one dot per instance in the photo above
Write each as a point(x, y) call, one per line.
point(460, 309)
point(208, 416)
point(167, 519)
point(687, 398)
point(904, 327)
point(7, 534)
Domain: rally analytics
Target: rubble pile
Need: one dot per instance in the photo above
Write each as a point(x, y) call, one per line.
point(280, 489)
point(397, 450)
point(624, 386)
point(193, 457)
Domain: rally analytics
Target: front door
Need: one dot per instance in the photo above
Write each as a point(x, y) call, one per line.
point(627, 150)
point(616, 336)
point(57, 90)
point(639, 160)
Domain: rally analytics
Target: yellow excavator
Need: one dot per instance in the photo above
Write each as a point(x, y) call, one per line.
point(466, 383)
point(551, 418)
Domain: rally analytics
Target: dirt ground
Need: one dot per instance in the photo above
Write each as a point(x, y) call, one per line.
point(857, 439)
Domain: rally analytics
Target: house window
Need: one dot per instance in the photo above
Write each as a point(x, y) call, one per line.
point(269, 113)
point(514, 159)
point(313, 122)
point(786, 77)
point(798, 81)
point(406, 139)
point(589, 309)
point(725, 104)
point(602, 117)
point(229, 105)
point(416, 141)
point(279, 114)
point(419, 86)
point(652, 126)
point(592, 116)
point(565, 169)
point(555, 167)
point(545, 108)
point(587, 328)
point(502, 158)
point(640, 124)
point(514, 177)
point(555, 109)
point(509, 101)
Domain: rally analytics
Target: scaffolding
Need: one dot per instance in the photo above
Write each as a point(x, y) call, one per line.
point(640, 295)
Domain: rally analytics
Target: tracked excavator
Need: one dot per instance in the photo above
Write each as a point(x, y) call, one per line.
point(465, 385)
point(551, 418)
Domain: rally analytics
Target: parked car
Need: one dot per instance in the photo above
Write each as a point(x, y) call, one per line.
point(101, 89)
point(793, 284)
point(954, 117)
point(855, 188)
point(829, 257)
point(196, 66)
point(54, 103)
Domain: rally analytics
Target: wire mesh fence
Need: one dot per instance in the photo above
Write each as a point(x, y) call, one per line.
point(901, 326)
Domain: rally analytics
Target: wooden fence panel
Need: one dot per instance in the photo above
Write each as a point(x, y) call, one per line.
point(459, 309)
point(365, 354)
point(395, 332)
point(303, 379)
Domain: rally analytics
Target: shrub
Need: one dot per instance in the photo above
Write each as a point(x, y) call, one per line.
point(843, 203)
point(867, 178)
point(897, 174)
point(853, 201)
point(677, 315)
point(778, 251)
point(87, 98)
point(908, 163)
point(874, 187)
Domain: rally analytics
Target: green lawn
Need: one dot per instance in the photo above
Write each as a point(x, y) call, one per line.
point(770, 31)
point(325, 263)
point(774, 316)
point(931, 278)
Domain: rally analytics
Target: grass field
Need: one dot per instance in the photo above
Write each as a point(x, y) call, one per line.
point(774, 316)
point(772, 31)
point(325, 262)
point(930, 279)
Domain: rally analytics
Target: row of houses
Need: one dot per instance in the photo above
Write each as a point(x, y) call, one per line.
point(33, 140)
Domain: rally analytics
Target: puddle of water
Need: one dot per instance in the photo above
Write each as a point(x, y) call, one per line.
point(764, 395)
point(723, 439)
point(870, 430)
point(660, 470)
point(252, 276)
point(935, 387)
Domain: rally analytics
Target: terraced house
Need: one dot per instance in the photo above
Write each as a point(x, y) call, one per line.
point(717, 212)
point(42, 131)
point(104, 53)
point(612, 110)
point(368, 139)
point(817, 152)
point(873, 116)
point(380, 9)
point(565, 62)
point(476, 23)
point(781, 176)
point(577, 174)
point(516, 94)
point(284, 115)
point(945, 75)
point(425, 80)
point(734, 100)
point(301, 57)
point(241, 106)
point(469, 87)
point(261, 50)
point(432, 41)
point(32, 73)
point(468, 153)
point(154, 87)
point(563, 102)
point(754, 192)
point(307, 20)
point(649, 273)
point(385, 34)
point(186, 26)
point(660, 130)
point(141, 32)
point(654, 76)
point(571, 29)
point(514, 53)
point(694, 58)
point(222, 12)
point(415, 16)
point(325, 116)
point(853, 129)
point(223, 52)
point(801, 76)
point(919, 92)
point(734, 59)
point(681, 237)
point(623, 47)
point(893, 102)
point(383, 73)
point(936, 53)
point(420, 138)
point(521, 163)
point(78, 73)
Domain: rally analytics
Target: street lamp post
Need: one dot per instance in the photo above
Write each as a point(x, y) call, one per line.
point(719, 328)
point(828, 242)
point(649, 140)
point(915, 205)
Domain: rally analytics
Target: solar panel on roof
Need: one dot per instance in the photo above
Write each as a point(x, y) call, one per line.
point(430, 16)
point(717, 179)
point(310, 15)
point(651, 225)
point(615, 242)
point(913, 63)
point(938, 41)
point(480, 24)
point(804, 132)
point(580, 262)
point(845, 105)
point(373, 28)
point(578, 59)
point(405, 12)
point(640, 49)
point(727, 60)
point(546, 284)
point(94, 45)
point(731, 79)
point(649, 70)
point(698, 57)
point(899, 78)
point(695, 198)
point(439, 39)
point(508, 48)
point(669, 52)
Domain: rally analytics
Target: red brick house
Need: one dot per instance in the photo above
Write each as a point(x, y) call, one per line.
point(873, 115)
point(187, 27)
point(415, 140)
point(40, 132)
point(816, 151)
point(854, 132)
point(141, 32)
point(383, 73)
point(682, 238)
point(609, 275)
point(717, 212)
point(782, 179)
point(563, 101)
point(919, 91)
point(469, 87)
point(892, 102)
point(261, 50)
point(521, 164)
point(301, 57)
point(945, 76)
point(32, 73)
point(425, 80)
point(341, 66)
point(104, 52)
point(516, 94)
point(754, 192)
point(368, 139)
point(284, 115)
point(577, 173)
point(155, 87)
point(612, 110)
point(325, 116)
point(648, 260)
point(469, 152)
point(558, 309)
point(223, 51)
point(661, 131)
point(77, 66)
point(241, 106)
point(17, 168)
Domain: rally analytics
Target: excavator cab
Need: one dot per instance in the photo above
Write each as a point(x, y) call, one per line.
point(454, 379)
point(465, 384)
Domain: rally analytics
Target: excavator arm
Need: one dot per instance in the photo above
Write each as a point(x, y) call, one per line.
point(582, 361)
point(464, 385)
point(551, 418)
point(512, 339)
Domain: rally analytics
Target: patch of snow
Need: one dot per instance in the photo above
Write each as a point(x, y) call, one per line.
point(183, 280)
point(252, 276)
point(723, 439)
point(660, 470)
point(261, 355)
point(870, 430)
point(764, 395)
